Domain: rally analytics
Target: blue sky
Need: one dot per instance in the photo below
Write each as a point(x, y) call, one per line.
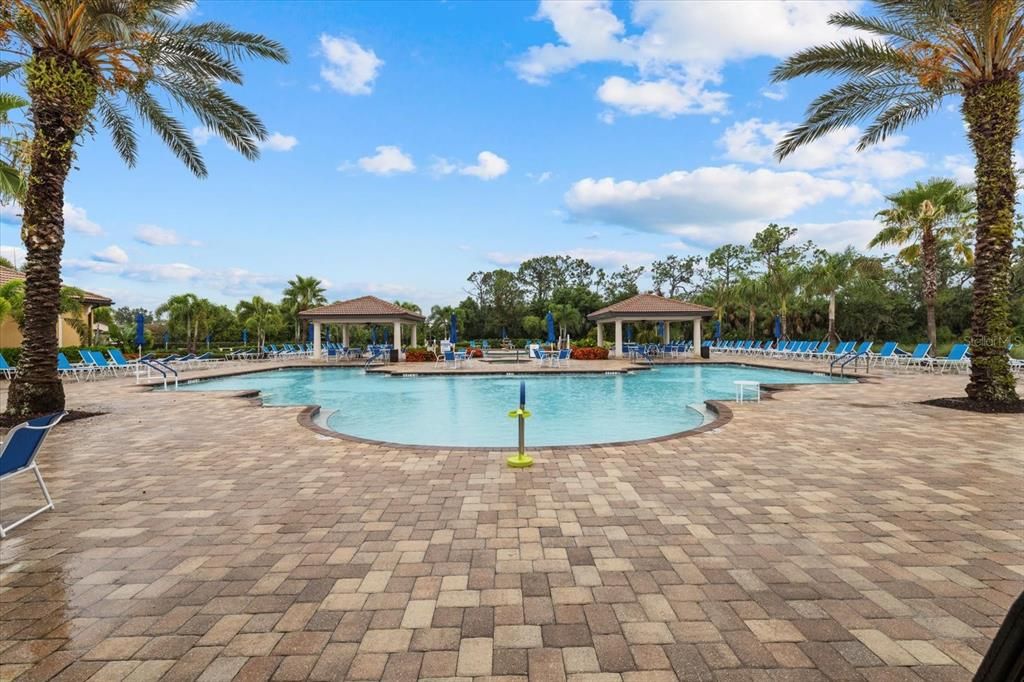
point(417, 142)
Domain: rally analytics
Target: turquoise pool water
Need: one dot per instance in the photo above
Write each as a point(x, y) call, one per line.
point(568, 409)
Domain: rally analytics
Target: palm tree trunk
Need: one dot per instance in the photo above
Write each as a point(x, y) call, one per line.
point(930, 277)
point(751, 321)
point(62, 94)
point(833, 337)
point(991, 110)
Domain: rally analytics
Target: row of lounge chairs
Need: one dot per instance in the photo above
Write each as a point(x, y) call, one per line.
point(889, 355)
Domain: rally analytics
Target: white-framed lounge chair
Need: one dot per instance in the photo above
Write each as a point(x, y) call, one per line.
point(956, 359)
point(65, 368)
point(119, 360)
point(6, 370)
point(564, 356)
point(18, 455)
point(918, 358)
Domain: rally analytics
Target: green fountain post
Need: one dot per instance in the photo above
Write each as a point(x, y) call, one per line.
point(521, 460)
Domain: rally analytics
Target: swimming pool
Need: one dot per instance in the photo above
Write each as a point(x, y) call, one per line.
point(471, 411)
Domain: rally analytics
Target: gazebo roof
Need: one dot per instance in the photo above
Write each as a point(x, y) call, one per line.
point(651, 307)
point(362, 309)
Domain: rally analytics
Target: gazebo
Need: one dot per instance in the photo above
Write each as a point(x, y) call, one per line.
point(362, 310)
point(650, 308)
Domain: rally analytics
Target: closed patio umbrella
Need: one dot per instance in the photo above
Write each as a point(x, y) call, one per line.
point(140, 331)
point(373, 336)
point(718, 329)
point(629, 332)
point(453, 332)
point(309, 333)
point(551, 328)
point(167, 339)
point(777, 327)
point(245, 336)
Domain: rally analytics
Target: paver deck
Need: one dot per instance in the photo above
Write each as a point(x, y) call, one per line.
point(832, 532)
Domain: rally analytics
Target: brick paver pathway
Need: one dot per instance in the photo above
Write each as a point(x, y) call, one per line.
point(833, 532)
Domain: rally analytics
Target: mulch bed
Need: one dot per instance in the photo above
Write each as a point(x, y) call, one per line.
point(7, 421)
point(968, 405)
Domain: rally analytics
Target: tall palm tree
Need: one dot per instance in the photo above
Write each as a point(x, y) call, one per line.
point(920, 218)
point(258, 314)
point(827, 276)
point(722, 294)
point(302, 293)
point(183, 309)
point(782, 283)
point(101, 59)
point(750, 291)
point(926, 51)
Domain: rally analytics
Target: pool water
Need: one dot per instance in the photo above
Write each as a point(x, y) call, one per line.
point(471, 411)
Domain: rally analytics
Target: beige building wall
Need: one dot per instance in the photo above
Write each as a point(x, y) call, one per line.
point(10, 335)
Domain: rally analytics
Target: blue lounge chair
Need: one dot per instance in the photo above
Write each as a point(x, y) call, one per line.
point(957, 359)
point(96, 359)
point(564, 355)
point(6, 370)
point(918, 357)
point(18, 455)
point(119, 360)
point(64, 368)
point(886, 353)
point(451, 360)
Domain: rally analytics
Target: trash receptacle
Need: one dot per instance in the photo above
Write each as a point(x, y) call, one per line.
point(394, 355)
point(705, 353)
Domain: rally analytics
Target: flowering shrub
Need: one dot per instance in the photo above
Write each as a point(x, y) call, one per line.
point(589, 353)
point(474, 353)
point(419, 355)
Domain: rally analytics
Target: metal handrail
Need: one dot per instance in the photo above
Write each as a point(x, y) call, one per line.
point(160, 367)
point(851, 356)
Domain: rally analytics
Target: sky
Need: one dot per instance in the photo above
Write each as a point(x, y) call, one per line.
point(414, 143)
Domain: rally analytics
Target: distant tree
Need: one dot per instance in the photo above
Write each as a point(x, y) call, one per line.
point(126, 316)
point(674, 275)
point(623, 284)
point(259, 315)
point(829, 274)
point(782, 283)
point(750, 291)
point(728, 263)
point(183, 309)
point(920, 218)
point(6, 263)
point(302, 293)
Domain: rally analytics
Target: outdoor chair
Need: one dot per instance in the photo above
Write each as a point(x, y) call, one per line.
point(18, 455)
point(6, 370)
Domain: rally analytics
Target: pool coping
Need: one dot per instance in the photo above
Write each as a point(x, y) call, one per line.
point(722, 412)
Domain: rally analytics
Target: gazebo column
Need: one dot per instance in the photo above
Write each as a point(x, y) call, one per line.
point(344, 336)
point(600, 335)
point(414, 344)
point(316, 340)
point(698, 336)
point(665, 335)
point(398, 338)
point(618, 338)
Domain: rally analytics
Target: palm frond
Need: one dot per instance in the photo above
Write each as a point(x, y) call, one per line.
point(122, 130)
point(9, 102)
point(233, 43)
point(914, 107)
point(877, 25)
point(12, 183)
point(169, 129)
point(239, 127)
point(851, 57)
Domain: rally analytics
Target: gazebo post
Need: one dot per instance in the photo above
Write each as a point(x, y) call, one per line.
point(698, 337)
point(316, 340)
point(600, 335)
point(398, 338)
point(618, 338)
point(665, 336)
point(344, 336)
point(413, 342)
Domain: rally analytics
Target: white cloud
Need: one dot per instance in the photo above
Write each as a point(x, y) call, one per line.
point(442, 166)
point(349, 68)
point(960, 167)
point(775, 93)
point(682, 43)
point(75, 219)
point(663, 97)
point(276, 142)
point(154, 235)
point(144, 272)
point(202, 135)
point(600, 257)
point(488, 166)
point(839, 235)
point(708, 205)
point(111, 254)
point(835, 154)
point(540, 178)
point(388, 160)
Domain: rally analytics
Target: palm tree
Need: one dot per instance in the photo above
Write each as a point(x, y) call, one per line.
point(919, 217)
point(722, 294)
point(86, 60)
point(302, 293)
point(830, 274)
point(568, 319)
point(925, 52)
point(750, 290)
point(258, 314)
point(782, 283)
point(183, 309)
point(12, 181)
point(12, 302)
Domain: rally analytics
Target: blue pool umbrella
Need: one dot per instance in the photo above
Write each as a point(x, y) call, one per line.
point(167, 339)
point(245, 336)
point(386, 335)
point(629, 332)
point(551, 328)
point(328, 335)
point(504, 333)
point(140, 330)
point(661, 330)
point(373, 335)
point(718, 329)
point(453, 334)
point(208, 337)
point(777, 327)
point(309, 332)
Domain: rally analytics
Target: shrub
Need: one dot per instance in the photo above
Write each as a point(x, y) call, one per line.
point(419, 355)
point(579, 353)
point(474, 353)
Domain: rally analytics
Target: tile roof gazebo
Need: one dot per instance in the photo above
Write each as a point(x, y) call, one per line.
point(362, 310)
point(651, 308)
